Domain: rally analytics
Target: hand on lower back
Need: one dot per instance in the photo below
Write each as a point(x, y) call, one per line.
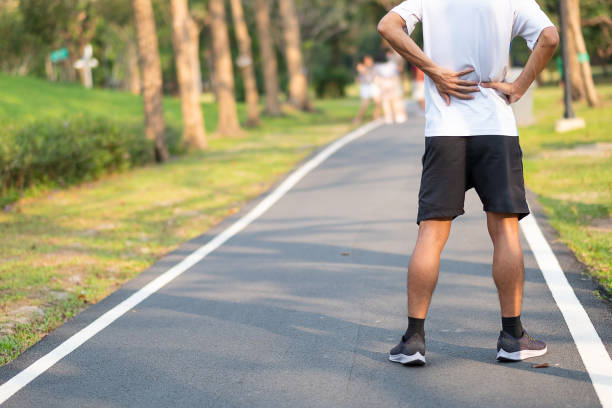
point(449, 83)
point(509, 89)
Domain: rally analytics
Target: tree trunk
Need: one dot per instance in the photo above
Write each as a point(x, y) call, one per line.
point(245, 63)
point(155, 125)
point(577, 90)
point(50, 69)
point(81, 34)
point(268, 57)
point(575, 29)
point(133, 83)
point(224, 74)
point(603, 61)
point(182, 38)
point(70, 73)
point(194, 54)
point(209, 57)
point(298, 86)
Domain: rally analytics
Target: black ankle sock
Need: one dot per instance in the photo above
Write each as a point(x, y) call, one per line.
point(512, 326)
point(414, 326)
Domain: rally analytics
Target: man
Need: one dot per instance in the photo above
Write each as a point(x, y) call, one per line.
point(471, 141)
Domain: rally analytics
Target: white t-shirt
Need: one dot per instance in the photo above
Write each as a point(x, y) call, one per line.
point(472, 33)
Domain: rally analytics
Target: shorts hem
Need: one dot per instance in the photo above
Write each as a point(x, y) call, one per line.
point(439, 214)
point(522, 213)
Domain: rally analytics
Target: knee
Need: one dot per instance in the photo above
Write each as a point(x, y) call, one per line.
point(504, 230)
point(434, 232)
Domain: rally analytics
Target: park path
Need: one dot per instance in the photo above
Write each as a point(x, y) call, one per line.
point(301, 308)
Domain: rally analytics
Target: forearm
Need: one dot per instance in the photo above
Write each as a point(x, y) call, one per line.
point(539, 58)
point(447, 82)
point(391, 28)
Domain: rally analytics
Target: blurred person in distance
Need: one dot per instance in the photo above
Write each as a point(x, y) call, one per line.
point(387, 75)
point(368, 89)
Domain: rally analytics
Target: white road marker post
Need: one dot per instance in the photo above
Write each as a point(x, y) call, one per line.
point(86, 63)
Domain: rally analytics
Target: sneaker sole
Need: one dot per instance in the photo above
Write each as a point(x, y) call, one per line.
point(416, 359)
point(503, 355)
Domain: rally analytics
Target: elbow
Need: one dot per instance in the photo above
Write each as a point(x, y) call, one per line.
point(383, 27)
point(550, 37)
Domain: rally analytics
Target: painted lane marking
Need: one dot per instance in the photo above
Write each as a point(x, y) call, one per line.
point(590, 347)
point(47, 361)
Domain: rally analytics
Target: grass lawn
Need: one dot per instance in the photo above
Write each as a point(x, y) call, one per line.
point(574, 184)
point(63, 249)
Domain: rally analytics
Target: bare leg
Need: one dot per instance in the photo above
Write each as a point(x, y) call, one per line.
point(365, 104)
point(399, 109)
point(377, 108)
point(387, 110)
point(508, 268)
point(425, 265)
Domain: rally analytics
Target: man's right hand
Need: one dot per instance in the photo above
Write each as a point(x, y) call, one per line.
point(449, 83)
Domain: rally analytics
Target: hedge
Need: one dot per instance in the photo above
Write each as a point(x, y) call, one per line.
point(54, 152)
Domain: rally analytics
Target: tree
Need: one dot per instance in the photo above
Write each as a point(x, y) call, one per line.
point(117, 45)
point(155, 125)
point(387, 4)
point(328, 34)
point(577, 84)
point(185, 42)
point(580, 51)
point(601, 41)
point(224, 73)
point(298, 85)
point(133, 70)
point(199, 16)
point(52, 24)
point(82, 30)
point(245, 63)
point(268, 57)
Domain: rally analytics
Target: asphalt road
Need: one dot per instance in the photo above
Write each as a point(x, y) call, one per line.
point(301, 308)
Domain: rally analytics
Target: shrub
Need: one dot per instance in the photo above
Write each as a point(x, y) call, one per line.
point(332, 83)
point(330, 74)
point(60, 152)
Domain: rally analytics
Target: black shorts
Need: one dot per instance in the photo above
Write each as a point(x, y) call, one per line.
point(493, 165)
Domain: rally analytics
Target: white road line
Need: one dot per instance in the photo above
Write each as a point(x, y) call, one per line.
point(594, 354)
point(41, 365)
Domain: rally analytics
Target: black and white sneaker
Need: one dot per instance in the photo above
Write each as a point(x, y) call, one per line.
point(410, 352)
point(510, 348)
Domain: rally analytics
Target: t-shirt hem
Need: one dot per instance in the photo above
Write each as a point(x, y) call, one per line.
point(478, 132)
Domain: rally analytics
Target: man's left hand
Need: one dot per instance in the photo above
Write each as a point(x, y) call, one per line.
point(509, 89)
